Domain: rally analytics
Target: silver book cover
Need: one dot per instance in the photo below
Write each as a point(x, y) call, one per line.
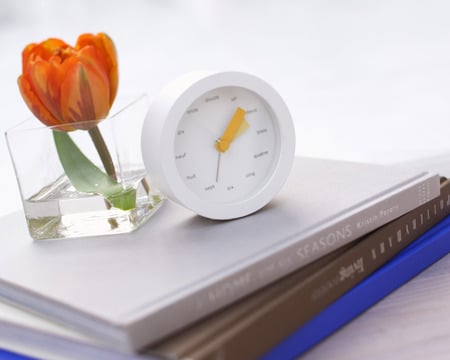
point(131, 290)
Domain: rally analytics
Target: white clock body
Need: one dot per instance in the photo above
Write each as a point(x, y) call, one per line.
point(191, 116)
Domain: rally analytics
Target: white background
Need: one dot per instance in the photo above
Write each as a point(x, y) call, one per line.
point(364, 80)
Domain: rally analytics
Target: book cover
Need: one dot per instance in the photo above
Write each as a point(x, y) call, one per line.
point(131, 290)
point(29, 334)
point(238, 331)
point(259, 322)
point(26, 334)
point(7, 355)
point(421, 254)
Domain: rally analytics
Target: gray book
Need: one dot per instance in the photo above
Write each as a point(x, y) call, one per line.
point(29, 334)
point(131, 290)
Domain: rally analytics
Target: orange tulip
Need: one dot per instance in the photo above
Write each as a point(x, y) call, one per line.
point(66, 86)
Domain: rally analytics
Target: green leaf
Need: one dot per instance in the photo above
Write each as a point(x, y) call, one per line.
point(86, 177)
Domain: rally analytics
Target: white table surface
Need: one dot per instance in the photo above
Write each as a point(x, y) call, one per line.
point(364, 80)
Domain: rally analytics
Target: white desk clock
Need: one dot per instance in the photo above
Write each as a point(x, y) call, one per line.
point(221, 144)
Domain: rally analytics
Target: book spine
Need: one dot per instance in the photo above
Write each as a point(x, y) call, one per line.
point(304, 294)
point(416, 258)
point(245, 279)
point(367, 256)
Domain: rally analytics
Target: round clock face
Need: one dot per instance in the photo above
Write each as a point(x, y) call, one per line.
point(221, 144)
point(235, 173)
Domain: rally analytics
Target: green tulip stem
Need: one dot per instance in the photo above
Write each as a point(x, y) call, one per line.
point(86, 177)
point(105, 156)
point(145, 185)
point(103, 152)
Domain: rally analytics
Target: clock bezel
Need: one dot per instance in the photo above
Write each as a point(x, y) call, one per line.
point(159, 135)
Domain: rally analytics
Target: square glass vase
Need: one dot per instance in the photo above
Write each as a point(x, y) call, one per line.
point(53, 206)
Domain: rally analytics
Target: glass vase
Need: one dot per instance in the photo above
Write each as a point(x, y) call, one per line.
point(53, 206)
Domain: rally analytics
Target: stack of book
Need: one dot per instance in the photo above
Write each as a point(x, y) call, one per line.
point(270, 285)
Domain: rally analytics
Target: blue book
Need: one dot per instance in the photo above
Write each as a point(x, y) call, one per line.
point(7, 355)
point(429, 248)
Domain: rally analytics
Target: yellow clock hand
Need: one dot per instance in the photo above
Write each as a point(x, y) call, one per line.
point(236, 127)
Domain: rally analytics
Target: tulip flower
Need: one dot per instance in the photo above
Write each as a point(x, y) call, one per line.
point(73, 88)
point(67, 86)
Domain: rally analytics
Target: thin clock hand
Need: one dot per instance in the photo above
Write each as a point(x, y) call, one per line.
point(218, 167)
point(236, 126)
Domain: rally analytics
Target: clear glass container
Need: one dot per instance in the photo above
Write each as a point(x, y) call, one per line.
point(53, 207)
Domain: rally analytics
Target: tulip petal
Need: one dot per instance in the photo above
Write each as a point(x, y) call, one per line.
point(36, 106)
point(44, 50)
point(88, 55)
point(107, 54)
point(45, 85)
point(51, 45)
point(84, 94)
